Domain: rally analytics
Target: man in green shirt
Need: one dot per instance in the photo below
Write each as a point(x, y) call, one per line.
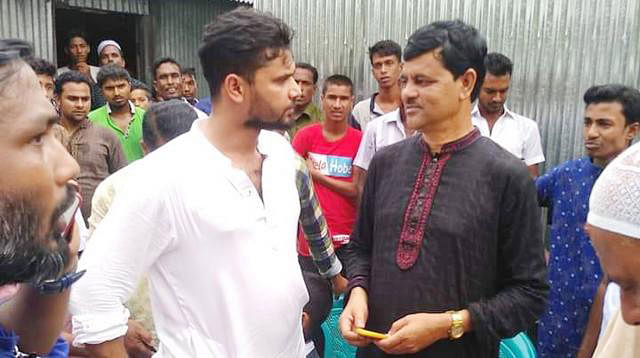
point(119, 114)
point(305, 112)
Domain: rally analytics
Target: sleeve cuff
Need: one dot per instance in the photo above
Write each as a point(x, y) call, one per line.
point(335, 269)
point(534, 160)
point(99, 328)
point(358, 281)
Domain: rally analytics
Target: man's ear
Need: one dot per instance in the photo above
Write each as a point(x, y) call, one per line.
point(235, 87)
point(467, 81)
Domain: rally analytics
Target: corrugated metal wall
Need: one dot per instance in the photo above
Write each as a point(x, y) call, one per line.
point(559, 48)
point(137, 7)
point(178, 30)
point(30, 20)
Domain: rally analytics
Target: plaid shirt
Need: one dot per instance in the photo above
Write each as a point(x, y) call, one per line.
point(314, 224)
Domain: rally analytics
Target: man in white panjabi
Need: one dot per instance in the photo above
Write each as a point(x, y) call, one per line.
point(210, 216)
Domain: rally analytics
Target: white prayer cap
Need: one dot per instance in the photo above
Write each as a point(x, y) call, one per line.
point(614, 204)
point(106, 43)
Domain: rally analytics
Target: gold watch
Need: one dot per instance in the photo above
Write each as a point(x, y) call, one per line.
point(457, 328)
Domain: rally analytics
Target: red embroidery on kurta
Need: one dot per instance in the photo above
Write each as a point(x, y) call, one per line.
point(421, 200)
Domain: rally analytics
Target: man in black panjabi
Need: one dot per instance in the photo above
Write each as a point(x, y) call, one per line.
point(446, 257)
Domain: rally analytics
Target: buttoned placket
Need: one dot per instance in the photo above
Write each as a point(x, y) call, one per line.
point(116, 127)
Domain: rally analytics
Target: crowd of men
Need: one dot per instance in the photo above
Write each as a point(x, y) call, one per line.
point(143, 220)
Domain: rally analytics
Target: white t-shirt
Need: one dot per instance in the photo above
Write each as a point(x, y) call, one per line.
point(92, 69)
point(381, 132)
point(515, 133)
point(222, 263)
point(364, 113)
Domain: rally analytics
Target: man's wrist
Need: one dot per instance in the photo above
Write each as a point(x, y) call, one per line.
point(448, 323)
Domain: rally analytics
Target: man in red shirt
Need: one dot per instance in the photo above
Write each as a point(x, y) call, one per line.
point(329, 148)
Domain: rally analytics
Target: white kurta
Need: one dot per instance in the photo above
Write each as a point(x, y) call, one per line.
point(222, 264)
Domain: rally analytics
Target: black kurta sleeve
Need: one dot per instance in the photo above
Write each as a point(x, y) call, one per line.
point(358, 251)
point(521, 281)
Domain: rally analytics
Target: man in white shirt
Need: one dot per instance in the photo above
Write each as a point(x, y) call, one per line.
point(386, 66)
point(515, 133)
point(77, 50)
point(211, 216)
point(385, 130)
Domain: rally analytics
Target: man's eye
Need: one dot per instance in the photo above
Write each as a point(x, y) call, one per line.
point(38, 140)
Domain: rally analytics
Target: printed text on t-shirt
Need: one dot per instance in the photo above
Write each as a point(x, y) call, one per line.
point(332, 165)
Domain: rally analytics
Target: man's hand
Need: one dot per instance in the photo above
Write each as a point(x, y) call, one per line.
point(83, 67)
point(339, 284)
point(415, 332)
point(354, 316)
point(313, 172)
point(138, 341)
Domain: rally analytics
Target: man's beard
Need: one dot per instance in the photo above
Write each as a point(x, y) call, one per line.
point(259, 123)
point(261, 110)
point(25, 256)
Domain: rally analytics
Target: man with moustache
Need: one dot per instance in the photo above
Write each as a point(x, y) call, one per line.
point(37, 262)
point(305, 112)
point(95, 148)
point(168, 83)
point(611, 121)
point(515, 133)
point(446, 257)
point(216, 232)
point(119, 114)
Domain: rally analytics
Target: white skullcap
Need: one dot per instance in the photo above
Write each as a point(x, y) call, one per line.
point(106, 43)
point(614, 204)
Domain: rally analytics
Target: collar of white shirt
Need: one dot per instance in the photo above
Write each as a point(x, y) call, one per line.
point(507, 113)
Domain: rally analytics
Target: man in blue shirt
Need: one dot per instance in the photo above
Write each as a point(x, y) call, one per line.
point(37, 205)
point(612, 118)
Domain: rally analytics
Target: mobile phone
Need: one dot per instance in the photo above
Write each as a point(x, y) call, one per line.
point(67, 219)
point(371, 334)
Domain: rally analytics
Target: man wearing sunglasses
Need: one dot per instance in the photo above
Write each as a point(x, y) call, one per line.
point(38, 243)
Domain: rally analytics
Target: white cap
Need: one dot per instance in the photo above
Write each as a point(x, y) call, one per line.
point(106, 43)
point(614, 204)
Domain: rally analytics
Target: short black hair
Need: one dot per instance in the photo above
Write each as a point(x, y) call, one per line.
point(135, 85)
point(627, 96)
point(13, 53)
point(463, 47)
point(112, 72)
point(498, 64)
point(76, 33)
point(166, 120)
point(240, 41)
point(162, 61)
point(385, 48)
point(310, 68)
point(70, 76)
point(191, 71)
point(320, 300)
point(337, 80)
point(42, 67)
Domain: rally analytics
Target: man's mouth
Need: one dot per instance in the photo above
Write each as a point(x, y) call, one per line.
point(591, 145)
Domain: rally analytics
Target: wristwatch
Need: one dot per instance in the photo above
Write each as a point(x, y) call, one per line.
point(57, 286)
point(457, 329)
